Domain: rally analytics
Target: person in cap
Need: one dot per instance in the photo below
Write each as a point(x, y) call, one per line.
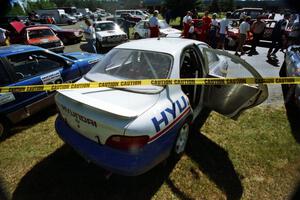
point(153, 25)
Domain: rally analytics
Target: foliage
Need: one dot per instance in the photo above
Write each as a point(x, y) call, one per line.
point(40, 4)
point(179, 8)
point(223, 5)
point(214, 6)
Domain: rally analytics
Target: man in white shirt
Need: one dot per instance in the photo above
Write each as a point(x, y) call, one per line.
point(2, 37)
point(153, 25)
point(186, 24)
point(244, 29)
point(223, 30)
point(90, 35)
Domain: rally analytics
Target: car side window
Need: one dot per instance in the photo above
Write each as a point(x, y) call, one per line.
point(211, 57)
point(32, 64)
point(4, 78)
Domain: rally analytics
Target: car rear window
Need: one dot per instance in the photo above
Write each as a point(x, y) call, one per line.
point(32, 34)
point(132, 64)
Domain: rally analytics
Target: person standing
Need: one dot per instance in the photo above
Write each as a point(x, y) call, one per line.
point(223, 30)
point(257, 28)
point(192, 31)
point(214, 27)
point(90, 35)
point(186, 24)
point(244, 29)
point(279, 35)
point(3, 37)
point(206, 25)
point(153, 25)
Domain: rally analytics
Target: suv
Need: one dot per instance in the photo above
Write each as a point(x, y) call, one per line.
point(30, 65)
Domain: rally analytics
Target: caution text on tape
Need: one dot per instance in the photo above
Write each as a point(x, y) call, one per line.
point(156, 82)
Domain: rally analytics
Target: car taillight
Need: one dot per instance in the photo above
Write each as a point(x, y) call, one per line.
point(128, 143)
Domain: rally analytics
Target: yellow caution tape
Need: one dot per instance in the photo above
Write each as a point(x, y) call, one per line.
point(157, 82)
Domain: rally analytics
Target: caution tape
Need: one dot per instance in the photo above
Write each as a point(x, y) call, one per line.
point(156, 82)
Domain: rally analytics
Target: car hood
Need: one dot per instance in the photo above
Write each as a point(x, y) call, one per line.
point(83, 55)
point(68, 30)
point(18, 26)
point(109, 101)
point(110, 33)
point(169, 31)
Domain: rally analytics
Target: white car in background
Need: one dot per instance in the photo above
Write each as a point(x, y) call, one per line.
point(108, 34)
point(141, 29)
point(129, 130)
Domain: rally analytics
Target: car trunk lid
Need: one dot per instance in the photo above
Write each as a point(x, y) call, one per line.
point(102, 112)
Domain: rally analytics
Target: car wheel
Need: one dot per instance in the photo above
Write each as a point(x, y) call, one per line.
point(181, 140)
point(98, 46)
point(65, 41)
point(136, 36)
point(4, 128)
point(70, 22)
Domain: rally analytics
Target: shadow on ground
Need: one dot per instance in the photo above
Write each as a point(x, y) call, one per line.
point(31, 121)
point(292, 113)
point(3, 191)
point(65, 175)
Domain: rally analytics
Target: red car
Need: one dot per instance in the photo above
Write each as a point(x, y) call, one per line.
point(67, 36)
point(232, 37)
point(41, 36)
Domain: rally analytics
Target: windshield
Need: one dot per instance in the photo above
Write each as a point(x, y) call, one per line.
point(131, 64)
point(106, 26)
point(163, 24)
point(32, 34)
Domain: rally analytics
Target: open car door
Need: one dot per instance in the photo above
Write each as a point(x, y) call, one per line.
point(231, 100)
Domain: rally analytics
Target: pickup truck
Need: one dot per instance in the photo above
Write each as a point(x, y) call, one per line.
point(32, 65)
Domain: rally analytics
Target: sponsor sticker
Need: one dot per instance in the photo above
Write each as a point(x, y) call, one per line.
point(51, 78)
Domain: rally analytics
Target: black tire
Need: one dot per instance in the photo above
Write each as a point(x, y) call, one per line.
point(70, 22)
point(136, 36)
point(4, 128)
point(181, 141)
point(98, 46)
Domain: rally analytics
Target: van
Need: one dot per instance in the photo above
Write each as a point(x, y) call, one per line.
point(136, 13)
point(58, 14)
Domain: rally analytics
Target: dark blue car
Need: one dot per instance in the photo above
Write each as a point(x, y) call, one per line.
point(31, 65)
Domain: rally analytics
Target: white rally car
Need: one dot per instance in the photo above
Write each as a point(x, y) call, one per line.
point(108, 34)
point(129, 130)
point(141, 29)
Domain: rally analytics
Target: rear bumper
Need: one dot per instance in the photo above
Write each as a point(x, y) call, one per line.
point(120, 162)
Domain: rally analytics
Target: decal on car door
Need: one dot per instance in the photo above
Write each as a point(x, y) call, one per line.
point(52, 78)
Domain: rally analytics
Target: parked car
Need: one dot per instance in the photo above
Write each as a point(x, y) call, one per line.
point(41, 36)
point(30, 65)
point(67, 36)
point(291, 68)
point(141, 29)
point(59, 15)
point(252, 12)
point(78, 15)
point(108, 34)
point(137, 13)
point(129, 130)
point(130, 17)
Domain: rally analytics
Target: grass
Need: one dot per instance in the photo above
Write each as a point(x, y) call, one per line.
point(255, 157)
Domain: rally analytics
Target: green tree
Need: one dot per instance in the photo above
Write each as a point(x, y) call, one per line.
point(179, 7)
point(214, 6)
